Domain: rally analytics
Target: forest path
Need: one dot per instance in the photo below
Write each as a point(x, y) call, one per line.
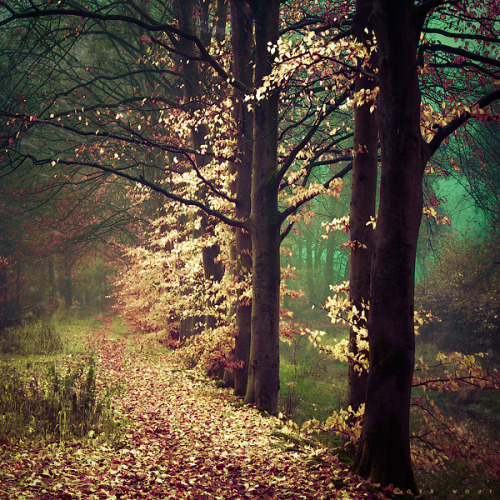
point(185, 439)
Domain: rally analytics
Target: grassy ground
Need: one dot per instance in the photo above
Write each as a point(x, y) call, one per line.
point(312, 384)
point(46, 376)
point(46, 339)
point(185, 438)
point(48, 381)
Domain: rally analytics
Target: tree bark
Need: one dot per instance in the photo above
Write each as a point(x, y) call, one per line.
point(328, 277)
point(242, 42)
point(309, 265)
point(220, 20)
point(362, 208)
point(263, 376)
point(384, 450)
point(68, 283)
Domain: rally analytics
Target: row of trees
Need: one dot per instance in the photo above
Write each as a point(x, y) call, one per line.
point(246, 124)
point(55, 246)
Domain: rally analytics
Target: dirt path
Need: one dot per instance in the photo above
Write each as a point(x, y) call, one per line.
point(185, 440)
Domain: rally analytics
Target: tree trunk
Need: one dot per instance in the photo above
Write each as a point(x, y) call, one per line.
point(309, 266)
point(242, 42)
point(52, 283)
point(220, 20)
point(212, 269)
point(18, 290)
point(384, 450)
point(263, 376)
point(328, 278)
point(67, 284)
point(362, 208)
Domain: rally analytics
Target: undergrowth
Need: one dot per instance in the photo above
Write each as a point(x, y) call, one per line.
point(42, 401)
point(46, 393)
point(455, 444)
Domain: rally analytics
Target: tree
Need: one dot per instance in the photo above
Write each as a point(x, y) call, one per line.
point(265, 223)
point(384, 453)
point(460, 287)
point(242, 45)
point(50, 230)
point(362, 210)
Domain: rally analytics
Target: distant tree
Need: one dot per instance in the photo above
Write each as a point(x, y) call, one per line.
point(48, 229)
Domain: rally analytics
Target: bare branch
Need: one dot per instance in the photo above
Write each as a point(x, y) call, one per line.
point(158, 189)
point(148, 26)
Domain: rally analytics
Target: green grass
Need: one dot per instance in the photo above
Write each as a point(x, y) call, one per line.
point(48, 382)
point(313, 384)
point(31, 338)
point(120, 328)
point(46, 339)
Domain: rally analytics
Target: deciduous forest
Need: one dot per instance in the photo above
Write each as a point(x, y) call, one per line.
point(249, 249)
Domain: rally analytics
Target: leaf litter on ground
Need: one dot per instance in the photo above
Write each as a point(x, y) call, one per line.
point(184, 439)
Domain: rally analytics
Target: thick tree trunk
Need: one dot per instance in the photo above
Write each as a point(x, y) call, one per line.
point(384, 450)
point(213, 271)
point(263, 377)
point(243, 314)
point(242, 42)
point(363, 194)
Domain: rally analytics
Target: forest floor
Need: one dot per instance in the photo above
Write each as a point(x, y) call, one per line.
point(183, 438)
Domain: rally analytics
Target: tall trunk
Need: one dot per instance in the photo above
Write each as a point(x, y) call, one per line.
point(363, 194)
point(68, 283)
point(309, 266)
point(213, 270)
point(10, 293)
point(263, 376)
point(242, 42)
point(384, 450)
point(4, 294)
point(328, 275)
point(52, 281)
point(318, 253)
point(18, 289)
